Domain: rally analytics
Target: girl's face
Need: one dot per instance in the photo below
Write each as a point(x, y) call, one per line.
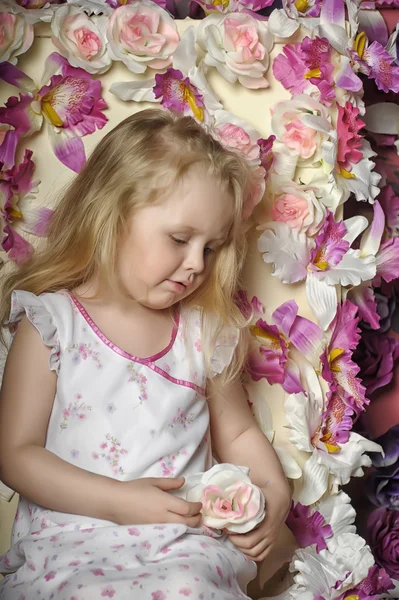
point(169, 248)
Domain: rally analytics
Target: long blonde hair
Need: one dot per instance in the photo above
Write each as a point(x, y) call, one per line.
point(135, 163)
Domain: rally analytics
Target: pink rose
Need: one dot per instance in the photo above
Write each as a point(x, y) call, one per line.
point(238, 45)
point(290, 209)
point(229, 499)
point(81, 39)
point(300, 138)
point(142, 35)
point(16, 37)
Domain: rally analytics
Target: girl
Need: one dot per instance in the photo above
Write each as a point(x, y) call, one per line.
point(108, 399)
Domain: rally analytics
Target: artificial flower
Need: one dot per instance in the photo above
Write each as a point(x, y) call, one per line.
point(372, 587)
point(296, 205)
point(376, 355)
point(271, 358)
point(16, 37)
point(236, 134)
point(229, 499)
point(116, 3)
point(384, 302)
point(390, 444)
point(17, 190)
point(68, 101)
point(329, 574)
point(324, 261)
point(33, 11)
point(383, 537)
point(142, 35)
point(307, 67)
point(338, 368)
point(301, 126)
point(230, 6)
point(313, 430)
point(81, 39)
point(238, 46)
point(182, 87)
point(374, 61)
point(389, 201)
point(382, 486)
point(308, 526)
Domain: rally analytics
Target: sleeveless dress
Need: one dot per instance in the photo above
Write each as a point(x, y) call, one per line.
point(123, 417)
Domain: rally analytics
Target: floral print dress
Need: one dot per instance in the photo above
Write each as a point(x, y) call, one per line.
point(123, 417)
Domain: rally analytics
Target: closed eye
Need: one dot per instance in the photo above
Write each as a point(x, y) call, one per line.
point(178, 240)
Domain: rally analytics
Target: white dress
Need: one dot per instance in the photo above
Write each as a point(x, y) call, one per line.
point(123, 417)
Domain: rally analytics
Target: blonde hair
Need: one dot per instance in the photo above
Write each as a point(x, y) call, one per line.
point(134, 164)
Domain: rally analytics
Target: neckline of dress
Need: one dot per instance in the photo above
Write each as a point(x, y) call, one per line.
point(116, 348)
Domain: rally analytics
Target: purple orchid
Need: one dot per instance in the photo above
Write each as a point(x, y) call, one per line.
point(375, 62)
point(116, 3)
point(271, 360)
point(308, 527)
point(228, 6)
point(338, 368)
point(16, 191)
point(349, 141)
point(376, 583)
point(179, 94)
point(309, 61)
point(69, 102)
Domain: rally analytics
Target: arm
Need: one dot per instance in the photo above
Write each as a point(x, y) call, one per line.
point(26, 401)
point(237, 439)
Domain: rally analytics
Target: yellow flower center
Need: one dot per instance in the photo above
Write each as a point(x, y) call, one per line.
point(302, 5)
point(313, 73)
point(334, 354)
point(360, 43)
point(190, 98)
point(49, 111)
point(224, 3)
point(346, 174)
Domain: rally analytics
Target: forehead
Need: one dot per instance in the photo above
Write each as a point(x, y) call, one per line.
point(198, 202)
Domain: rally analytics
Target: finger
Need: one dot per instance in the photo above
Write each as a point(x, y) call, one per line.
point(194, 521)
point(168, 483)
point(246, 540)
point(263, 555)
point(183, 507)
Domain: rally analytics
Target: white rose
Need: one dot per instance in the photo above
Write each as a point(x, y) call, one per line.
point(81, 39)
point(142, 35)
point(16, 37)
point(229, 499)
point(238, 45)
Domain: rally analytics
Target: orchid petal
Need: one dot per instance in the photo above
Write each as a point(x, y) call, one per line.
point(387, 260)
point(287, 249)
point(54, 62)
point(291, 468)
point(363, 297)
point(8, 148)
point(352, 270)
point(322, 299)
point(346, 78)
point(292, 379)
point(36, 220)
point(314, 482)
point(185, 55)
point(333, 12)
point(285, 315)
point(373, 24)
point(16, 77)
point(336, 36)
point(18, 249)
point(382, 117)
point(280, 25)
point(302, 333)
point(69, 150)
point(371, 239)
point(138, 91)
point(354, 226)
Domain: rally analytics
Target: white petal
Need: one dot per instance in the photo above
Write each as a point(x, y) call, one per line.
point(185, 55)
point(139, 91)
point(355, 226)
point(322, 299)
point(315, 480)
point(280, 25)
point(338, 513)
point(352, 270)
point(288, 251)
point(382, 118)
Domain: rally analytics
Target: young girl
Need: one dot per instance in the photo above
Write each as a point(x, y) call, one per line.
point(123, 369)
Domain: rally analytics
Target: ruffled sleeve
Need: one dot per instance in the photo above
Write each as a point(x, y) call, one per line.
point(26, 303)
point(225, 346)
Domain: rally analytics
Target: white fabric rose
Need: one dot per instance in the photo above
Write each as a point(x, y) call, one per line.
point(238, 45)
point(16, 37)
point(229, 499)
point(81, 39)
point(142, 35)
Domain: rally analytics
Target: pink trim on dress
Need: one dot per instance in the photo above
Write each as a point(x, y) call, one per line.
point(118, 350)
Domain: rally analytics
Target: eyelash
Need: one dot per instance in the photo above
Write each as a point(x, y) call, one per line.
point(182, 242)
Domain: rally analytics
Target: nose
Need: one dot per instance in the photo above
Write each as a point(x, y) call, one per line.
point(195, 261)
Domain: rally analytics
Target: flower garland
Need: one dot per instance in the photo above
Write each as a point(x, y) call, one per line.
point(319, 159)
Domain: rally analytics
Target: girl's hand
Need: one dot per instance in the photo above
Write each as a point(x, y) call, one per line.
point(258, 543)
point(147, 501)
